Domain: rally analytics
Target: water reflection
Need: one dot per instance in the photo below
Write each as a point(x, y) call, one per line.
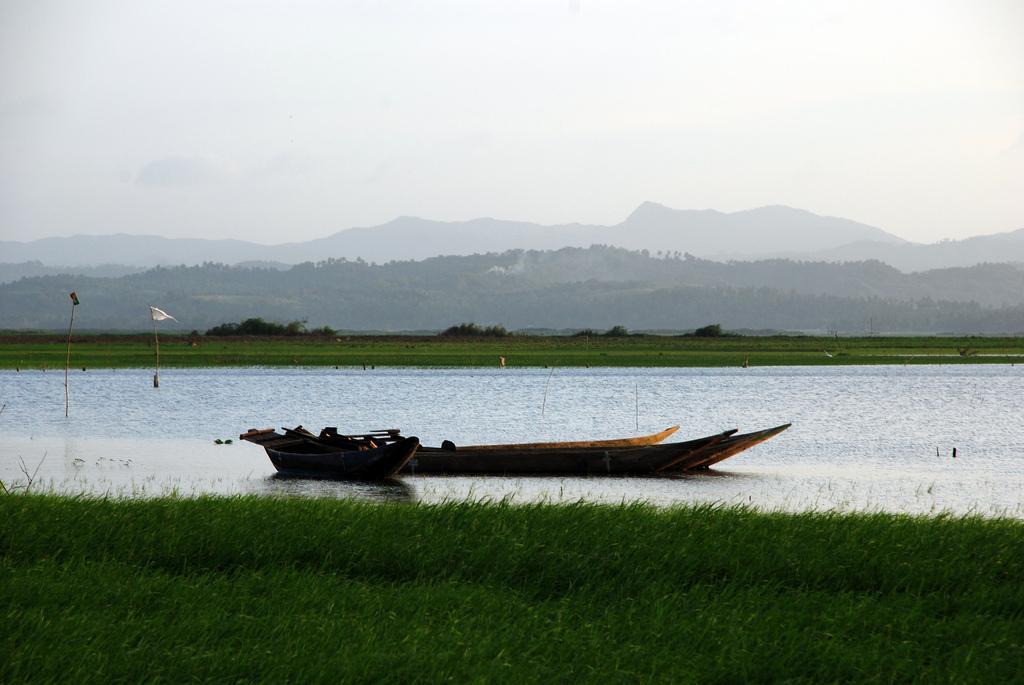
point(712, 472)
point(293, 486)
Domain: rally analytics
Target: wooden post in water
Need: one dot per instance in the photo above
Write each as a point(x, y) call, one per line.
point(544, 404)
point(67, 362)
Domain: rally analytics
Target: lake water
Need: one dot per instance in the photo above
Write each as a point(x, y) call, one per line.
point(863, 438)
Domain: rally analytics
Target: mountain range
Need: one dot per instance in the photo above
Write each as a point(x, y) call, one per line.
point(766, 232)
point(595, 287)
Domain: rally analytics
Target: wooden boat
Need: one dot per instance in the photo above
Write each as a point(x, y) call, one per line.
point(577, 458)
point(652, 439)
point(300, 453)
point(639, 460)
point(705, 458)
point(382, 436)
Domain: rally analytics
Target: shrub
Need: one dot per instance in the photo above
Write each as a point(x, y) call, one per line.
point(472, 330)
point(711, 331)
point(258, 326)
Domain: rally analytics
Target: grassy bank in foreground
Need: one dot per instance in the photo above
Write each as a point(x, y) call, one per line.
point(39, 352)
point(318, 590)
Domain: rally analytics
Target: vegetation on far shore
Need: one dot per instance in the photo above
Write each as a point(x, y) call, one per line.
point(257, 326)
point(275, 590)
point(472, 330)
point(28, 351)
point(599, 287)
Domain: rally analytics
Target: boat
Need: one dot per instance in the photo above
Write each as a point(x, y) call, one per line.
point(706, 458)
point(576, 458)
point(331, 434)
point(298, 452)
point(634, 461)
point(638, 441)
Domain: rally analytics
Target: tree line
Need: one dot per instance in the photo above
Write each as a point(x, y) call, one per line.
point(597, 288)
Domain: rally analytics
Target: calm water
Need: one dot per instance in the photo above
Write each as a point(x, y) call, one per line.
point(863, 438)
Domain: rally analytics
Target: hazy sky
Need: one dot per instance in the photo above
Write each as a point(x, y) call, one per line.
point(275, 121)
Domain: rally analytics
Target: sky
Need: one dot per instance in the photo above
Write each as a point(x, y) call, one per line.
point(283, 121)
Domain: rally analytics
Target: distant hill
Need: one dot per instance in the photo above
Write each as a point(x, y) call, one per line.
point(755, 232)
point(766, 232)
point(596, 287)
point(134, 250)
point(12, 272)
point(998, 247)
point(412, 238)
point(651, 226)
point(991, 285)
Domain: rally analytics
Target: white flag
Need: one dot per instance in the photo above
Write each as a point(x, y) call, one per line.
point(159, 314)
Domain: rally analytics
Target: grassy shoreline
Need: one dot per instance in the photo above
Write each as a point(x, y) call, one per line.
point(311, 590)
point(27, 352)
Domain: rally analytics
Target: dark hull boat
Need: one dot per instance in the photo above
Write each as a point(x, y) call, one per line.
point(299, 453)
point(569, 458)
point(706, 458)
point(642, 460)
point(331, 435)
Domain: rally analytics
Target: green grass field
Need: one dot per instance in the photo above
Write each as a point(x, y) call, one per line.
point(37, 352)
point(303, 590)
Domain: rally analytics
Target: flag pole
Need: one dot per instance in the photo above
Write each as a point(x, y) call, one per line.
point(156, 337)
point(67, 362)
point(157, 315)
